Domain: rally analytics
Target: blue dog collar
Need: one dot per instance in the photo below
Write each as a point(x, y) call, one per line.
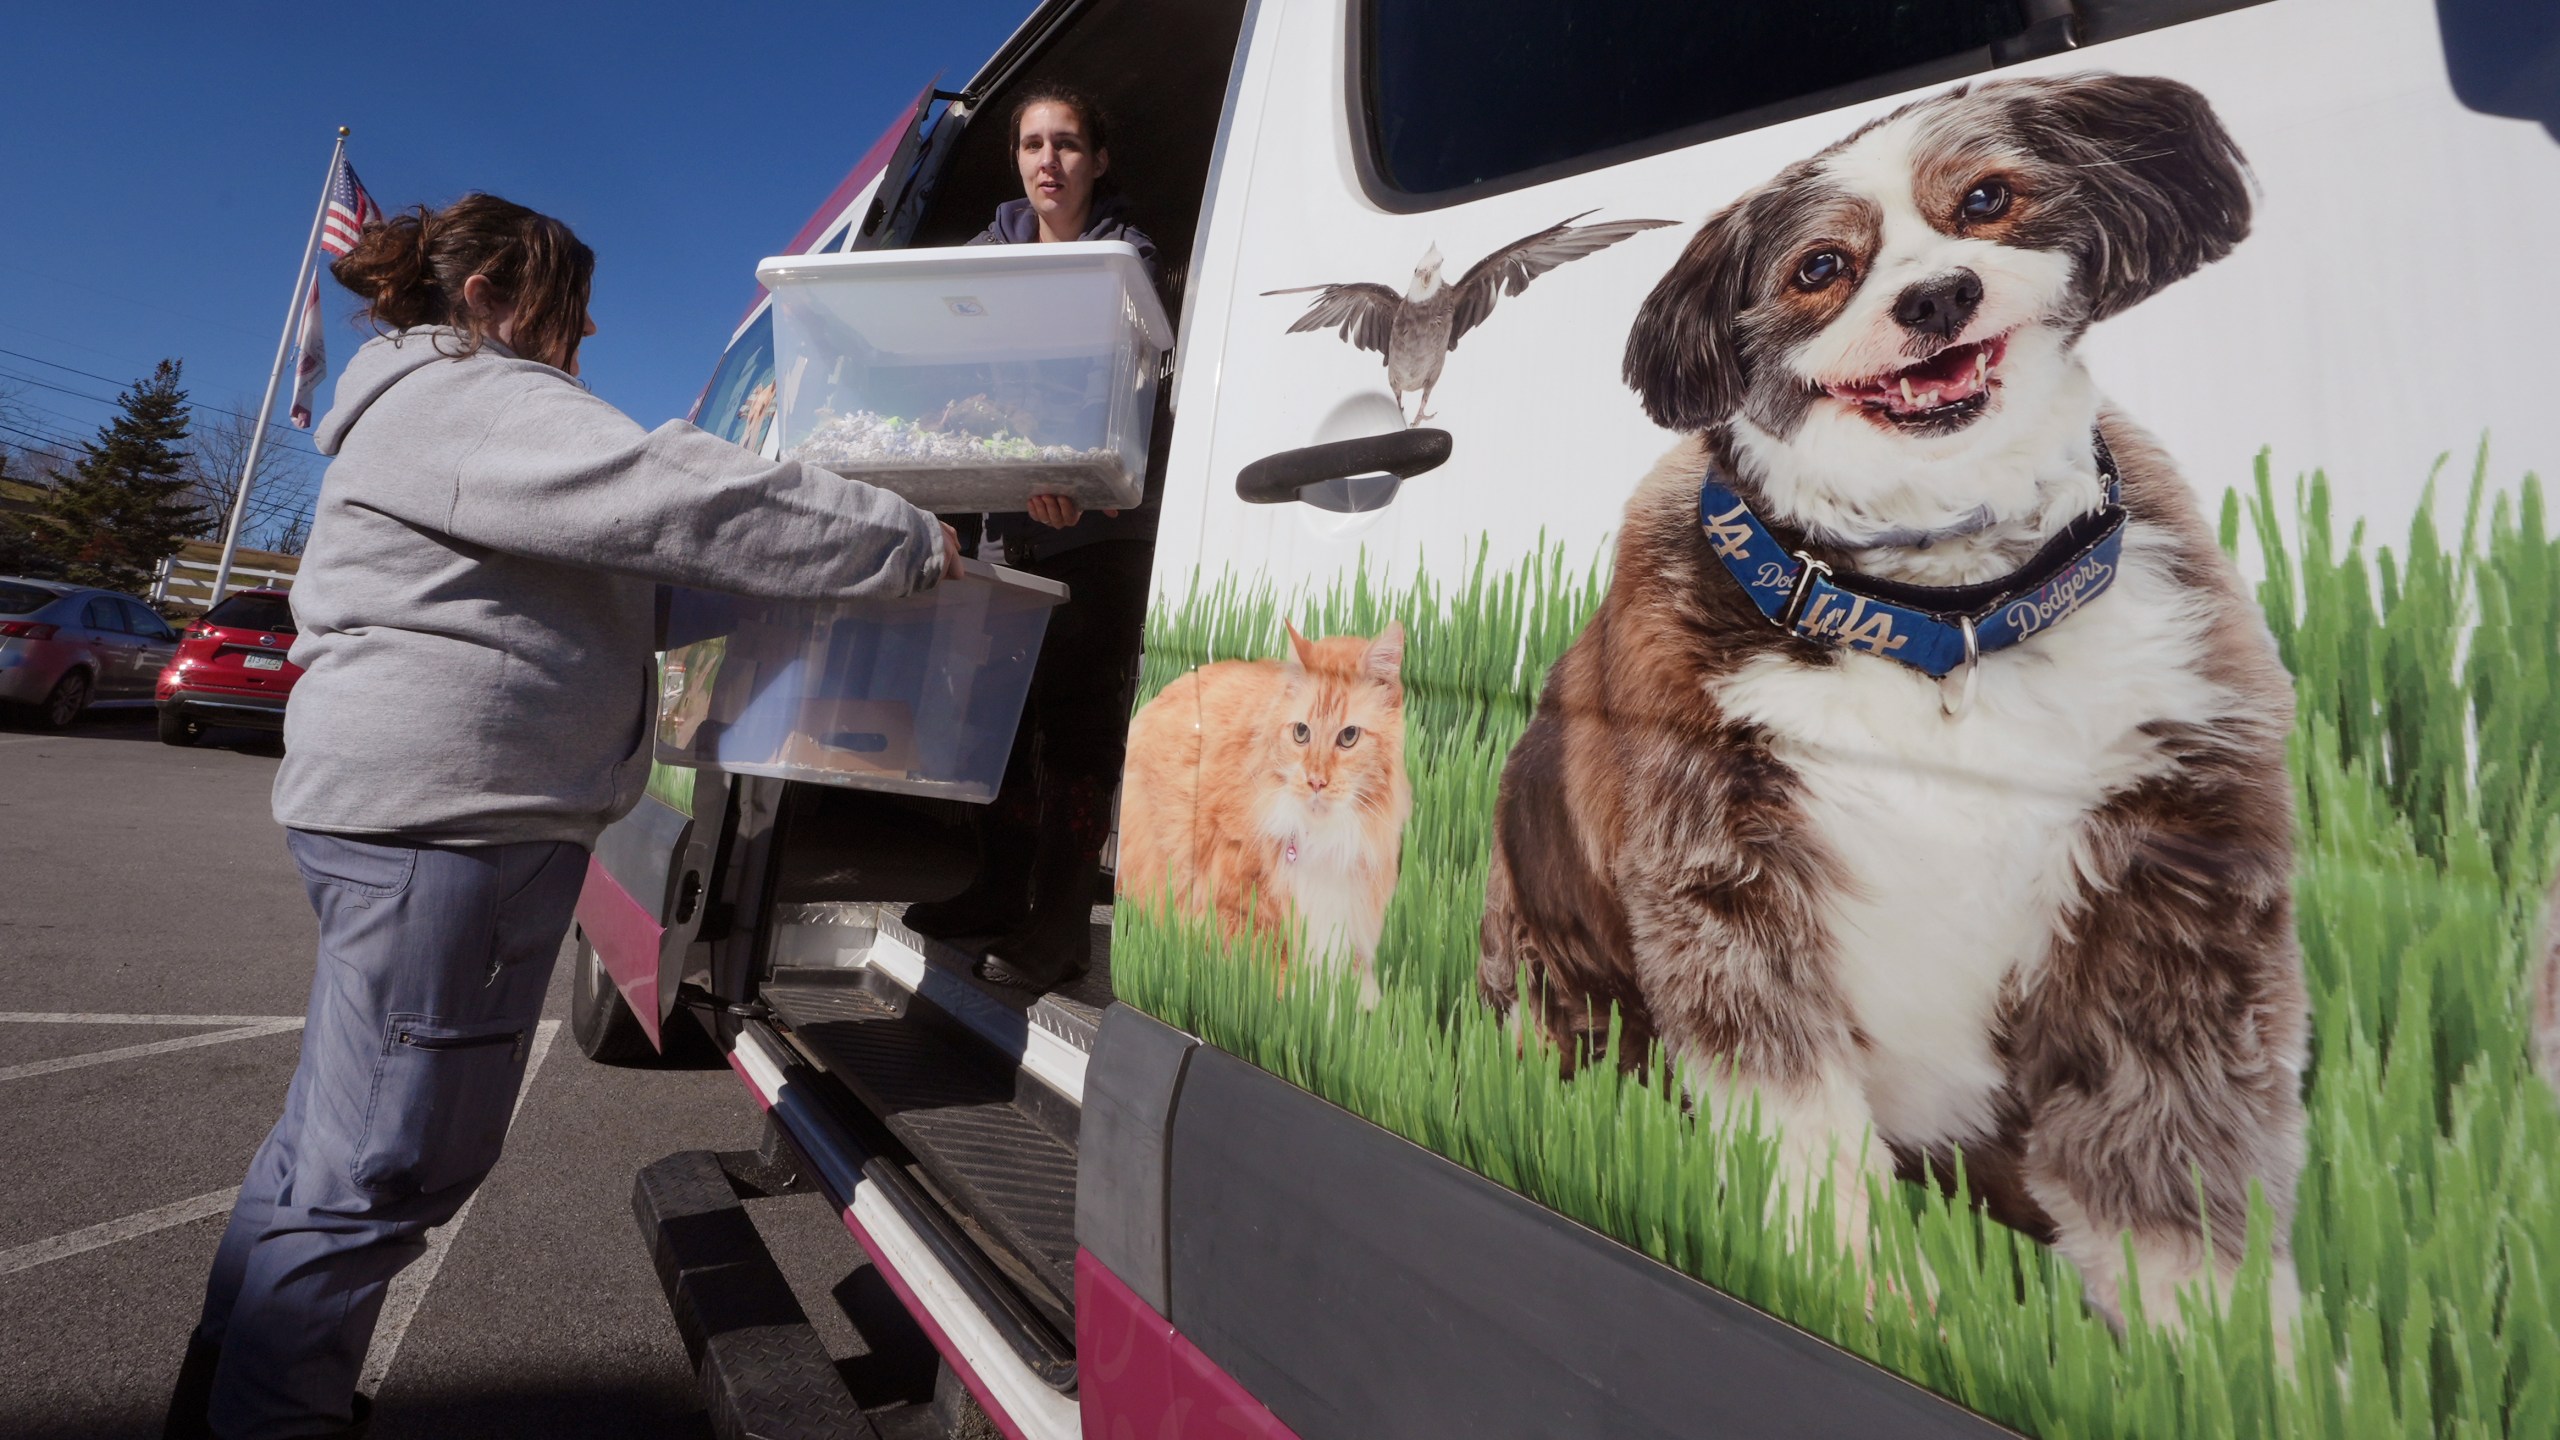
point(1937, 630)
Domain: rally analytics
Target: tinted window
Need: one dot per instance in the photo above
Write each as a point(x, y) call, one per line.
point(146, 622)
point(1463, 93)
point(739, 404)
point(16, 599)
point(105, 614)
point(270, 613)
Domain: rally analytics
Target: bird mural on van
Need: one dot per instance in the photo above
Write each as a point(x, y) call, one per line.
point(1415, 330)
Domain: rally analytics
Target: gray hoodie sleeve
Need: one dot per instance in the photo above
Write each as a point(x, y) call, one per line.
point(561, 475)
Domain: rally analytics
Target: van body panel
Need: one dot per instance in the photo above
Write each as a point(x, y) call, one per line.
point(1360, 1285)
point(1147, 1378)
point(2376, 334)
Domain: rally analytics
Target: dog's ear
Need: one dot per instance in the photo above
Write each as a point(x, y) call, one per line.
point(2162, 189)
point(1684, 356)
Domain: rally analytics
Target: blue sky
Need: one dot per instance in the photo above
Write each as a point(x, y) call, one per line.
point(160, 163)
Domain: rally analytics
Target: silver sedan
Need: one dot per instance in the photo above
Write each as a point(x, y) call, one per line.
point(64, 648)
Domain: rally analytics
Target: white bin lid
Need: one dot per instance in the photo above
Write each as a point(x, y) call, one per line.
point(1022, 580)
point(995, 278)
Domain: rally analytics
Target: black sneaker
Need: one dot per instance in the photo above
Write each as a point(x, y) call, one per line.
point(193, 1394)
point(1049, 951)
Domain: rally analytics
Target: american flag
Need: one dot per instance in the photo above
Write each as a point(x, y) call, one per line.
point(349, 211)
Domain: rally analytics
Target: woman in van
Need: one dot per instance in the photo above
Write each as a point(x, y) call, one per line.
point(1041, 840)
point(476, 609)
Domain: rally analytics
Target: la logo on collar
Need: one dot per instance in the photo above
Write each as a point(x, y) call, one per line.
point(1937, 630)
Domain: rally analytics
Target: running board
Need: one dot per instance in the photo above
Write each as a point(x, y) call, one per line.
point(997, 1146)
point(1048, 1036)
point(1019, 1368)
point(763, 1370)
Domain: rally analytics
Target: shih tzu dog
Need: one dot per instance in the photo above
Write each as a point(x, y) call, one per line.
point(1921, 777)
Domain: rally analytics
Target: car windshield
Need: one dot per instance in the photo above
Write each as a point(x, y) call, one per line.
point(17, 599)
point(270, 613)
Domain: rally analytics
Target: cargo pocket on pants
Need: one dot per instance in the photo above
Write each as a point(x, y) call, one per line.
point(442, 1096)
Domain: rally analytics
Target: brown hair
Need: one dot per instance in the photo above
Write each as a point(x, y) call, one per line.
point(1044, 92)
point(410, 270)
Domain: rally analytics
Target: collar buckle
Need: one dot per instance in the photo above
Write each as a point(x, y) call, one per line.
point(1955, 688)
point(1803, 590)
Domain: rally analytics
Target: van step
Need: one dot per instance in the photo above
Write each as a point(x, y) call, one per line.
point(997, 1144)
point(763, 1370)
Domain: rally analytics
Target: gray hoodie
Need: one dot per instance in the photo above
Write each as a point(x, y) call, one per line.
point(477, 602)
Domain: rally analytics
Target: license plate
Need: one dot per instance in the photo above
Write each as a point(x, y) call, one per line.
point(262, 662)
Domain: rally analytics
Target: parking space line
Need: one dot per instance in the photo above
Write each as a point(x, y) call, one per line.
point(156, 1047)
point(131, 1227)
point(56, 1017)
point(409, 1287)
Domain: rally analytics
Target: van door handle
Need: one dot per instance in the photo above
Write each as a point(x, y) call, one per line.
point(1402, 453)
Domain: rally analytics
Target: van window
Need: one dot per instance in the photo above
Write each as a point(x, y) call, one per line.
point(739, 404)
point(1461, 95)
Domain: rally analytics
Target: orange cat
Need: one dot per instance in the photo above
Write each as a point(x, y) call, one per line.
point(1273, 792)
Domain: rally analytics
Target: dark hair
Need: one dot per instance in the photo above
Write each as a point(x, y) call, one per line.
point(1097, 126)
point(410, 270)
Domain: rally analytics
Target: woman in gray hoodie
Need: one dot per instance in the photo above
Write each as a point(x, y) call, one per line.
point(477, 613)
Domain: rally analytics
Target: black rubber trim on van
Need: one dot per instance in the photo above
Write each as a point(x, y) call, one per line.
point(1358, 1284)
point(2095, 22)
point(1129, 1090)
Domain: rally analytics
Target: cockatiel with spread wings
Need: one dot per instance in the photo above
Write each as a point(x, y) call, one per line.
point(1416, 330)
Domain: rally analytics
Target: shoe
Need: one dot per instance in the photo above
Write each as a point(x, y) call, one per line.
point(1052, 949)
point(193, 1394)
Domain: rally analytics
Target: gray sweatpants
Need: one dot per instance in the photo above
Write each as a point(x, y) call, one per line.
point(432, 967)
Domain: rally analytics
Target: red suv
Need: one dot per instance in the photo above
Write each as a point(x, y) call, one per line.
point(230, 668)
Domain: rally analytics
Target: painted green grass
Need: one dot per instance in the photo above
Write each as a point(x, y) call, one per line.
point(2428, 1235)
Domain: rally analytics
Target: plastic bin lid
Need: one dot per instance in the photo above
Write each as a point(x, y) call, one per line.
point(965, 261)
point(1021, 580)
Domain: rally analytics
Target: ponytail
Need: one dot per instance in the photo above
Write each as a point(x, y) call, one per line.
point(410, 270)
point(388, 267)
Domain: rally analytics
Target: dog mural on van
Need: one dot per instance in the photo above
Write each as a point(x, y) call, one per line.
point(1921, 777)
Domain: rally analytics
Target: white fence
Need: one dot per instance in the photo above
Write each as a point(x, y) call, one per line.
point(190, 582)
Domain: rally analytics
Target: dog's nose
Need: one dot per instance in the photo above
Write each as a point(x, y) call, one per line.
point(1941, 304)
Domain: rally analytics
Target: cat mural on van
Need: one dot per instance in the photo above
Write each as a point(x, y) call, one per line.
point(1271, 795)
point(1921, 778)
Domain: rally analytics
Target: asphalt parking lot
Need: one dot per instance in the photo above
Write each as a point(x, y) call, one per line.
point(155, 950)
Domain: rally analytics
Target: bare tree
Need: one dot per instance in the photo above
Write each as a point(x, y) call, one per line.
point(294, 534)
point(279, 499)
point(28, 463)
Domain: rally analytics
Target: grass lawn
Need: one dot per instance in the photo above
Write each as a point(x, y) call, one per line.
point(2427, 766)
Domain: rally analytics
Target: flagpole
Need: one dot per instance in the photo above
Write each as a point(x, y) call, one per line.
point(284, 346)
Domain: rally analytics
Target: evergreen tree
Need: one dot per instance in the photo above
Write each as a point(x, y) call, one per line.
point(123, 507)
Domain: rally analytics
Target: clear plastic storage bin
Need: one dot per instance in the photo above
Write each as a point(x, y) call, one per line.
point(919, 694)
point(971, 378)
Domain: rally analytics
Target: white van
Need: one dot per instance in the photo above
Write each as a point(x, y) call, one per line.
point(1847, 728)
